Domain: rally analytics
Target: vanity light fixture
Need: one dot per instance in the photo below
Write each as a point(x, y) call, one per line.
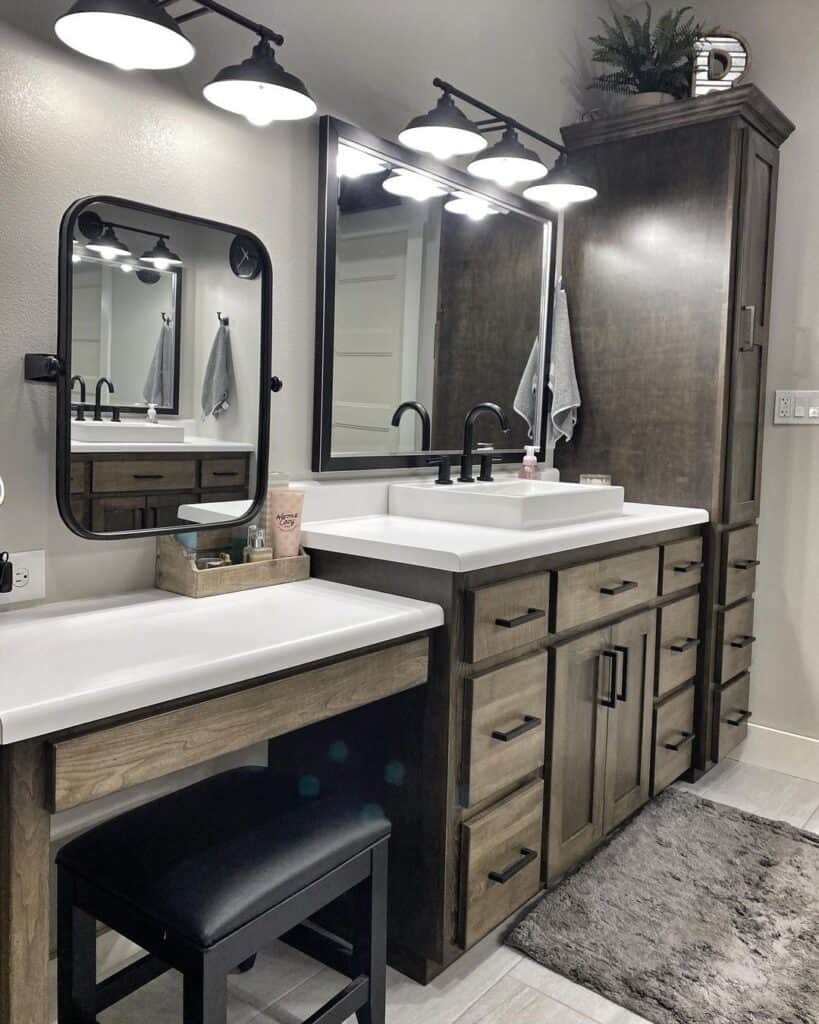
point(508, 162)
point(355, 163)
point(144, 34)
point(161, 257)
point(471, 206)
point(108, 245)
point(411, 185)
point(443, 132)
point(562, 188)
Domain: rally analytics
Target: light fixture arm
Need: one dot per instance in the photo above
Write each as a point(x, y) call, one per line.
point(497, 119)
point(206, 6)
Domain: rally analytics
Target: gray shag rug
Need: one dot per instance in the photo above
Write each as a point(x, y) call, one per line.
point(694, 913)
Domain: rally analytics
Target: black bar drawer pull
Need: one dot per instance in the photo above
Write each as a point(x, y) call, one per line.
point(743, 641)
point(689, 566)
point(745, 563)
point(529, 722)
point(743, 717)
point(148, 476)
point(623, 694)
point(686, 741)
point(611, 700)
point(531, 616)
point(224, 472)
point(681, 646)
point(621, 588)
point(526, 857)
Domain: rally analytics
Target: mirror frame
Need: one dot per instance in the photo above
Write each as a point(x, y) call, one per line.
point(331, 131)
point(64, 319)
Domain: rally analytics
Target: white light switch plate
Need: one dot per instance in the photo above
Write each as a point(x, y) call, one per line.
point(796, 408)
point(29, 577)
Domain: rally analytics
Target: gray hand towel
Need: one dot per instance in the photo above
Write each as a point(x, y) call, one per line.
point(562, 379)
point(526, 398)
point(158, 388)
point(218, 375)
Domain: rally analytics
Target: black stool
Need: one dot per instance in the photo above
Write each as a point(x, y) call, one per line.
point(205, 877)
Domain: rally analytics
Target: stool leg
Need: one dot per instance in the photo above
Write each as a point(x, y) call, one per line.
point(204, 999)
point(76, 957)
point(370, 941)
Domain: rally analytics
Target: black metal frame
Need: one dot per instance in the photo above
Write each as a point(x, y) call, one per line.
point(331, 130)
point(80, 904)
point(59, 372)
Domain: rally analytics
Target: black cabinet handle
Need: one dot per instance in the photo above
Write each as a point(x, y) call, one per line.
point(681, 646)
point(531, 616)
point(621, 588)
point(611, 700)
point(745, 563)
point(623, 694)
point(686, 741)
point(688, 566)
point(225, 472)
point(148, 476)
point(743, 717)
point(743, 641)
point(529, 722)
point(526, 857)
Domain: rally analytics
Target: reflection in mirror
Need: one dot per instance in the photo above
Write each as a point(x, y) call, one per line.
point(440, 299)
point(166, 345)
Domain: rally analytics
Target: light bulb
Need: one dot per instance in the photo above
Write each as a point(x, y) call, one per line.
point(140, 34)
point(354, 163)
point(411, 185)
point(108, 253)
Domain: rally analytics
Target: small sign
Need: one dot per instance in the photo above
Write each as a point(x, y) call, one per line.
point(719, 63)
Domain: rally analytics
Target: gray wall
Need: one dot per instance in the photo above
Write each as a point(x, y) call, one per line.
point(71, 127)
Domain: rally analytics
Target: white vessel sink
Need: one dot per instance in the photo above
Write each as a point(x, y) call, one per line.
point(511, 505)
point(127, 432)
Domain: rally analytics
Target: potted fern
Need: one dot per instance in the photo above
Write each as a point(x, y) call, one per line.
point(651, 65)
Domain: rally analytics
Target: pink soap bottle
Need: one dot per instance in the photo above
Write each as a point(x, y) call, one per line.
point(529, 470)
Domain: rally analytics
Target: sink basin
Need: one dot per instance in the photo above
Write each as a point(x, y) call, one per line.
point(511, 505)
point(127, 432)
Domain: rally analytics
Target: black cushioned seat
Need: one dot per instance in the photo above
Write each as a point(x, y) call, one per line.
point(209, 858)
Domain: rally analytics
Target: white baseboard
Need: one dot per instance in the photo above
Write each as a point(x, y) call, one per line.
point(784, 752)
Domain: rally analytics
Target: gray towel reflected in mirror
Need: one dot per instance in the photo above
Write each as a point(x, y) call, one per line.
point(158, 387)
point(218, 380)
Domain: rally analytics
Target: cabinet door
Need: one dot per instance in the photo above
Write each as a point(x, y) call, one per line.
point(581, 681)
point(112, 515)
point(628, 746)
point(162, 508)
point(751, 327)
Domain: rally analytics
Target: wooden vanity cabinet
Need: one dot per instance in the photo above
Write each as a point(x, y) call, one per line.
point(671, 336)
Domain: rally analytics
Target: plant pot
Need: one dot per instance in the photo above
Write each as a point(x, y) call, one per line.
point(641, 100)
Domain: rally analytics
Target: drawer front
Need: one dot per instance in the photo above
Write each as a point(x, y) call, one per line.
point(682, 565)
point(144, 476)
point(673, 739)
point(586, 593)
point(738, 578)
point(734, 713)
point(679, 632)
point(503, 616)
point(504, 727)
point(79, 471)
point(736, 637)
point(224, 473)
point(501, 861)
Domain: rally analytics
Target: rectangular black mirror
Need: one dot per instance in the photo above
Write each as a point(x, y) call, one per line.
point(165, 346)
point(435, 289)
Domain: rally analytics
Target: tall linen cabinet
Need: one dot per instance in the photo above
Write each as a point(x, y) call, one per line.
point(668, 275)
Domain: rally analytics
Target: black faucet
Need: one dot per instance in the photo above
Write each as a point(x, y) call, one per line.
point(80, 407)
point(98, 396)
point(426, 428)
point(469, 435)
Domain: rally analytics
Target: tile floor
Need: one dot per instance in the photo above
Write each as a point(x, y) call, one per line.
point(491, 984)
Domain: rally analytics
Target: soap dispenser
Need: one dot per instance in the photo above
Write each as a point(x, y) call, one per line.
point(529, 470)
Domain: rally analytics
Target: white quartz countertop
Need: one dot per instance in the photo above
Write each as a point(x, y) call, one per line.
point(190, 444)
point(457, 548)
point(73, 663)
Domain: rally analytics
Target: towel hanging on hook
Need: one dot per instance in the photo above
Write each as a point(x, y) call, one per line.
point(223, 320)
point(166, 319)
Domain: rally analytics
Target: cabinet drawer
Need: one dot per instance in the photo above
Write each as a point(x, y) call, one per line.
point(503, 616)
point(500, 853)
point(679, 631)
point(673, 739)
point(504, 727)
point(597, 590)
point(682, 565)
point(736, 639)
point(733, 713)
point(224, 473)
point(739, 562)
point(144, 475)
point(79, 476)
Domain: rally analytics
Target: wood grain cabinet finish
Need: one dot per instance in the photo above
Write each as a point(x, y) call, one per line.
point(503, 616)
point(79, 473)
point(739, 564)
point(673, 739)
point(144, 475)
point(224, 473)
point(682, 566)
point(602, 589)
point(504, 727)
point(733, 713)
point(736, 640)
point(678, 644)
point(500, 859)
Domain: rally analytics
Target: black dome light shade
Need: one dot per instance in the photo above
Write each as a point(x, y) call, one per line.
point(108, 245)
point(508, 162)
point(562, 188)
point(161, 256)
point(444, 131)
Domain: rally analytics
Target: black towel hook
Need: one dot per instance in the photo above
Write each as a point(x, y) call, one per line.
point(166, 319)
point(223, 320)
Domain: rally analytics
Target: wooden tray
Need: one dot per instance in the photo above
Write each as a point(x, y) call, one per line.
point(178, 573)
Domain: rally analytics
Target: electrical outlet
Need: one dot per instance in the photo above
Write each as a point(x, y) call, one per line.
point(28, 579)
point(796, 408)
point(783, 408)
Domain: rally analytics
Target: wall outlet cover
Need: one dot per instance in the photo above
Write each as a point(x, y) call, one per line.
point(796, 408)
point(28, 575)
